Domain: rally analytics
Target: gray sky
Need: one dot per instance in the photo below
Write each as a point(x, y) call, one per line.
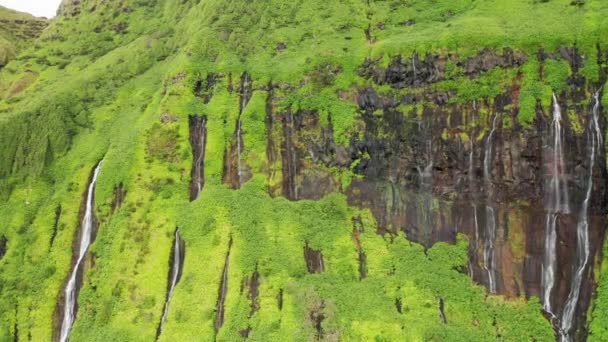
point(40, 8)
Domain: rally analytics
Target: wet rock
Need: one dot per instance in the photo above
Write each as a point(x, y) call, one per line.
point(198, 143)
point(488, 59)
point(314, 260)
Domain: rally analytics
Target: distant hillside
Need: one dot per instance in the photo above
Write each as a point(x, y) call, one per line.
point(16, 30)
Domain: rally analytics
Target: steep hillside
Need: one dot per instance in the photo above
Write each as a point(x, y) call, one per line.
point(306, 170)
point(17, 31)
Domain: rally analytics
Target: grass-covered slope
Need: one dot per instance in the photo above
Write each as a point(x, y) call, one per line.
point(17, 31)
point(96, 84)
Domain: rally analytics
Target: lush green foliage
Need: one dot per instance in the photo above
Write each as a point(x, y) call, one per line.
point(95, 85)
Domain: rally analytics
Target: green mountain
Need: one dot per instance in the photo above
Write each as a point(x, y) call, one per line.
point(17, 31)
point(276, 170)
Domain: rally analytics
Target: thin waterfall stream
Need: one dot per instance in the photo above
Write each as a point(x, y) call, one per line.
point(70, 307)
point(489, 262)
point(245, 97)
point(175, 273)
point(558, 202)
point(582, 228)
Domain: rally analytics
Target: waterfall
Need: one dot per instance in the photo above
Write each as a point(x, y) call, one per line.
point(471, 161)
point(175, 274)
point(487, 160)
point(245, 97)
point(239, 150)
point(490, 233)
point(558, 201)
point(488, 248)
point(71, 289)
point(582, 228)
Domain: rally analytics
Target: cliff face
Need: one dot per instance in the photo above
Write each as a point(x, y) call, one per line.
point(17, 30)
point(354, 170)
point(438, 169)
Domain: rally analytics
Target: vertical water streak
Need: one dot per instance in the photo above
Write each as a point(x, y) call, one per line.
point(490, 231)
point(245, 97)
point(239, 149)
point(414, 65)
point(487, 160)
point(87, 226)
point(558, 201)
point(488, 248)
point(175, 275)
point(582, 228)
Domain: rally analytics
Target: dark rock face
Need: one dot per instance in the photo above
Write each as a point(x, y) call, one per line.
point(314, 260)
point(419, 70)
point(306, 150)
point(449, 168)
point(198, 142)
point(472, 168)
point(3, 243)
point(236, 170)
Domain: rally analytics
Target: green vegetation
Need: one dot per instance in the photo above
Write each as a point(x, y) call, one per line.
point(96, 84)
point(17, 31)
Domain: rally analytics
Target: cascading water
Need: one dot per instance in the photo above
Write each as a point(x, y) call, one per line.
point(175, 274)
point(490, 233)
point(557, 201)
point(87, 234)
point(582, 228)
point(488, 248)
point(245, 96)
point(487, 160)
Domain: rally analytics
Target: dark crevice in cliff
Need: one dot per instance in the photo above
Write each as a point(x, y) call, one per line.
point(358, 229)
point(3, 243)
point(271, 153)
point(58, 212)
point(119, 196)
point(442, 311)
point(176, 267)
point(198, 143)
point(204, 88)
point(314, 260)
point(222, 292)
point(253, 285)
point(236, 170)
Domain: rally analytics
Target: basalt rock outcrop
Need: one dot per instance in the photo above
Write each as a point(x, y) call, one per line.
point(449, 166)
